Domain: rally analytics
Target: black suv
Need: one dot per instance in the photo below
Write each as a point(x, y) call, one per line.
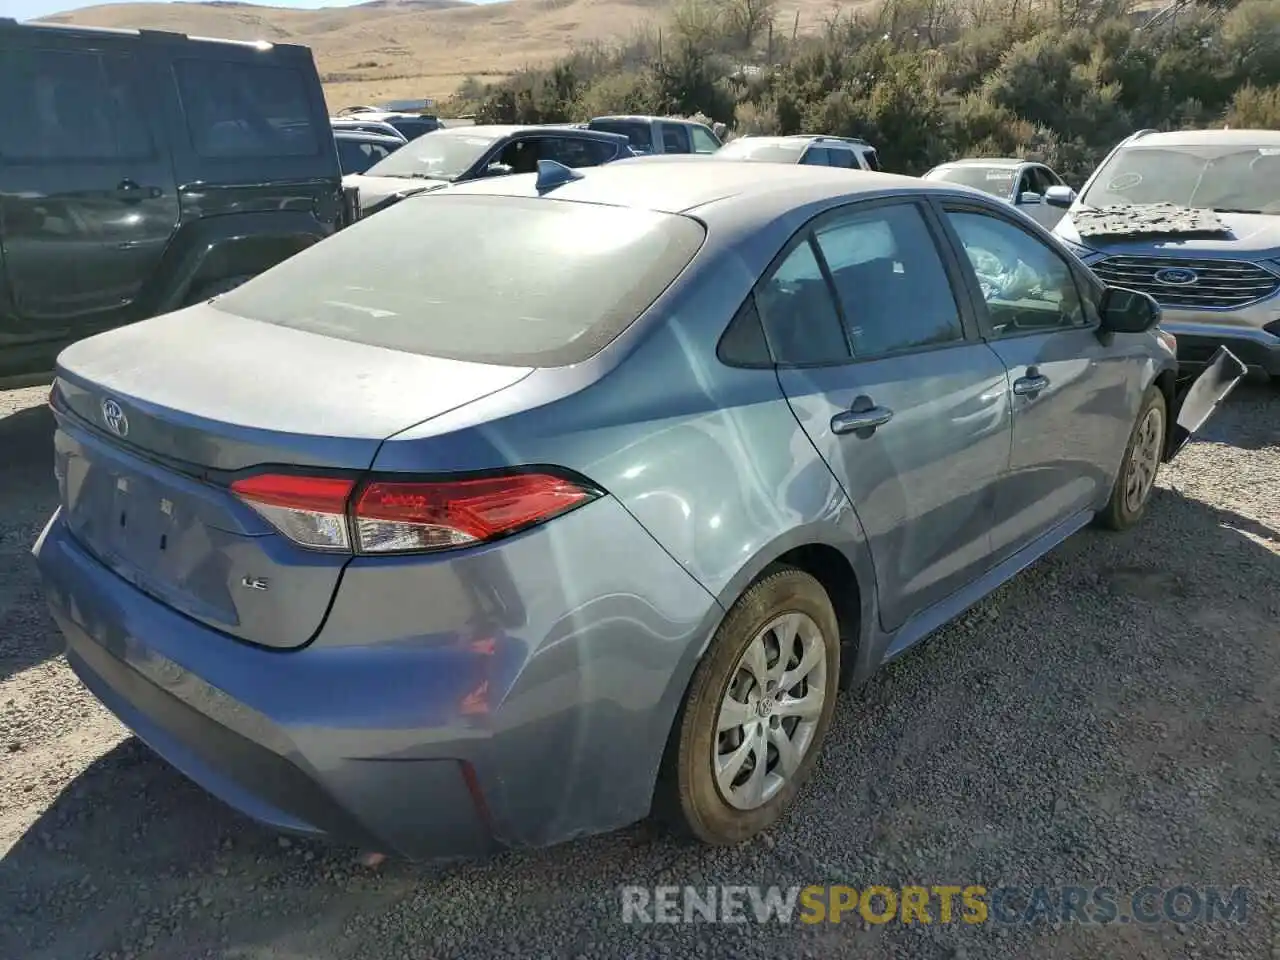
point(142, 171)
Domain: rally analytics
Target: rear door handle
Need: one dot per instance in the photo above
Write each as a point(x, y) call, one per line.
point(1030, 385)
point(862, 418)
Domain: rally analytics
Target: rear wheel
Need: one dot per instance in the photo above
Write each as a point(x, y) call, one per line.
point(1137, 477)
point(757, 710)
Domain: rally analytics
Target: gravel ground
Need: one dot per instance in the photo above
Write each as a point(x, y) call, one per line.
point(1108, 717)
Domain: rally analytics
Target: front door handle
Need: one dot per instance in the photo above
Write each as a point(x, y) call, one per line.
point(1031, 384)
point(862, 418)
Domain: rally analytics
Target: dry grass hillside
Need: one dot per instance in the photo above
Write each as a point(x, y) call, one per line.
point(418, 48)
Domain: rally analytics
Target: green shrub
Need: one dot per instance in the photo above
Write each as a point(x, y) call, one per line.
point(926, 80)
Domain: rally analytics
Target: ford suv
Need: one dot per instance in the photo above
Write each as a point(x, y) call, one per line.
point(1193, 219)
point(141, 171)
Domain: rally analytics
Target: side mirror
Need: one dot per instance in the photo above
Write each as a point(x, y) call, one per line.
point(1060, 195)
point(497, 170)
point(1030, 198)
point(1128, 311)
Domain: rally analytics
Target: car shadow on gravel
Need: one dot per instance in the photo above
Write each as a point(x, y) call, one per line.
point(28, 495)
point(133, 860)
point(1254, 423)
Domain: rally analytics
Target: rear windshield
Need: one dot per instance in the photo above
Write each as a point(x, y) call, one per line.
point(443, 156)
point(638, 132)
point(413, 127)
point(505, 280)
point(997, 181)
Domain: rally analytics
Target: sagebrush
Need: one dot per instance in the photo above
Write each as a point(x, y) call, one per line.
point(926, 80)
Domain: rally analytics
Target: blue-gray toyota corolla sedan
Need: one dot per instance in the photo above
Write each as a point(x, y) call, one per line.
point(536, 504)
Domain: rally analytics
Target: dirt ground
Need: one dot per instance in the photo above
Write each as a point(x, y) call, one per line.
point(1110, 717)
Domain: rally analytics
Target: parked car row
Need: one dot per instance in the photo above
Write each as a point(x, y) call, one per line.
point(94, 180)
point(1191, 218)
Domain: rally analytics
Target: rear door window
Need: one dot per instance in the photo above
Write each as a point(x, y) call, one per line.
point(889, 280)
point(237, 109)
point(576, 151)
point(842, 158)
point(414, 127)
point(704, 140)
point(71, 106)
point(357, 156)
point(675, 138)
point(638, 132)
point(488, 279)
point(816, 157)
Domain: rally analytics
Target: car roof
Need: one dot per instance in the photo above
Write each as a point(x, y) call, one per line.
point(155, 36)
point(495, 131)
point(765, 190)
point(1217, 138)
point(645, 118)
point(828, 137)
point(383, 115)
point(778, 139)
point(984, 162)
point(369, 136)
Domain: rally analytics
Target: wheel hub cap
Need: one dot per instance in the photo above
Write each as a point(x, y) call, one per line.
point(769, 713)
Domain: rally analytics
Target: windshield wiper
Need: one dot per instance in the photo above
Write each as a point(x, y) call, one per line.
point(1234, 210)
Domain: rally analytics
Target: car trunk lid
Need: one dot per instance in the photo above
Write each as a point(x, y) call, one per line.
point(156, 419)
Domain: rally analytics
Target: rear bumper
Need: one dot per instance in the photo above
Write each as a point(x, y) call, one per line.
point(436, 745)
point(1197, 341)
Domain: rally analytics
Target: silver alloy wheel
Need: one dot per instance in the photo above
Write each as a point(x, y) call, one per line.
point(769, 714)
point(1144, 460)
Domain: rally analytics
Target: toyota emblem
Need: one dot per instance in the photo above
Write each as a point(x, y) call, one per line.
point(113, 416)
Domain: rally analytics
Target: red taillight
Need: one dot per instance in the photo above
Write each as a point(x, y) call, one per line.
point(311, 511)
point(398, 517)
point(393, 516)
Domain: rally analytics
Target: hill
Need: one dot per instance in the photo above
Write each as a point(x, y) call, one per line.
point(418, 48)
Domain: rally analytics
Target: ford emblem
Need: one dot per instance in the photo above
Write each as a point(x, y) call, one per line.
point(113, 416)
point(1176, 276)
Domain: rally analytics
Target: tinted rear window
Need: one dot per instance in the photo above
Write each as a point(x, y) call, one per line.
point(638, 132)
point(508, 280)
point(237, 109)
point(997, 181)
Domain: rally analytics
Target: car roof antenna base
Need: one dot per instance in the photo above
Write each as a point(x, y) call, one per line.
point(552, 174)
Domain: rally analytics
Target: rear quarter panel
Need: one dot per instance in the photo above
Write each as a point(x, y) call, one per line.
point(604, 613)
point(709, 459)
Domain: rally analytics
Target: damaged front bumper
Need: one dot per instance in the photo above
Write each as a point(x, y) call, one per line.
point(1196, 401)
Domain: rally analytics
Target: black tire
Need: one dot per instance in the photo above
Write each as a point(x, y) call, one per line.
point(211, 289)
point(1122, 511)
point(694, 802)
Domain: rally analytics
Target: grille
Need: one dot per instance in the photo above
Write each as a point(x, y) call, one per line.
point(1220, 284)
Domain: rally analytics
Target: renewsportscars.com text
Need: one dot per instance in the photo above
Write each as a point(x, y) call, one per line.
point(939, 904)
